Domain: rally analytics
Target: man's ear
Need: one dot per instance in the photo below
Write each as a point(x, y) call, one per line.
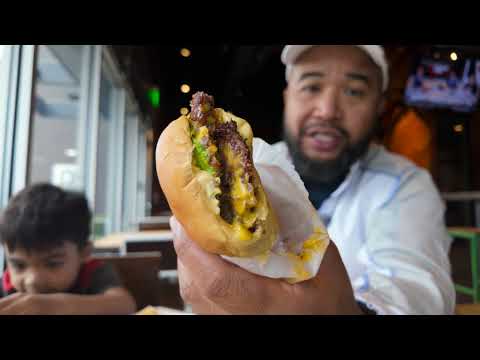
point(86, 252)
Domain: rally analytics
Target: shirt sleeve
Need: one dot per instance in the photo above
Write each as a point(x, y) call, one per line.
point(406, 253)
point(104, 278)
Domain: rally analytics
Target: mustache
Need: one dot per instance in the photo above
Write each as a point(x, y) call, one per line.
point(331, 128)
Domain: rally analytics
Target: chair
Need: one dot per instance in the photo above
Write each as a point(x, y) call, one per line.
point(154, 223)
point(473, 236)
point(140, 275)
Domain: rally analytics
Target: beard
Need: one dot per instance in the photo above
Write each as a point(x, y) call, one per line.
point(318, 171)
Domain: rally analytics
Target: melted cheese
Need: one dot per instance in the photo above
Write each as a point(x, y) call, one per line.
point(212, 149)
point(249, 218)
point(242, 199)
point(201, 133)
point(241, 232)
point(240, 196)
point(211, 185)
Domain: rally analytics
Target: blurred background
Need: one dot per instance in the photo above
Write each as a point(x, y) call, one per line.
point(87, 118)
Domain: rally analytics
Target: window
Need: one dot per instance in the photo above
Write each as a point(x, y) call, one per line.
point(56, 118)
point(108, 120)
point(67, 117)
point(141, 172)
point(4, 82)
point(130, 167)
point(5, 98)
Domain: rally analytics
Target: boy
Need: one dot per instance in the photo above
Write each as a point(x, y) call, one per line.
point(45, 233)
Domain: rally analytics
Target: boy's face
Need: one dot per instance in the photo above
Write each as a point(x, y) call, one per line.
point(46, 272)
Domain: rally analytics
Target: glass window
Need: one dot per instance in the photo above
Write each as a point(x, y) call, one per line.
point(150, 170)
point(130, 167)
point(142, 172)
point(104, 183)
point(5, 52)
point(57, 103)
point(4, 82)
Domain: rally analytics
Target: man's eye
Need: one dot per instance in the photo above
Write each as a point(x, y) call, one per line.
point(354, 92)
point(311, 88)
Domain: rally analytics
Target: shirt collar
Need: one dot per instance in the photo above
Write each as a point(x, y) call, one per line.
point(355, 171)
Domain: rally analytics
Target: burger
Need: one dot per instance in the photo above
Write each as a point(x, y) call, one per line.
point(205, 168)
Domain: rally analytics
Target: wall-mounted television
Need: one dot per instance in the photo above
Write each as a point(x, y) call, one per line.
point(444, 84)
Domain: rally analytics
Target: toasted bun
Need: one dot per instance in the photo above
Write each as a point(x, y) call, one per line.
point(187, 192)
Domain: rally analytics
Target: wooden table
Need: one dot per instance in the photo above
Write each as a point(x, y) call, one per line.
point(467, 309)
point(117, 242)
point(154, 223)
point(140, 274)
point(126, 244)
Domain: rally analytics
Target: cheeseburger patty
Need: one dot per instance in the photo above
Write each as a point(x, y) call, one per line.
point(226, 153)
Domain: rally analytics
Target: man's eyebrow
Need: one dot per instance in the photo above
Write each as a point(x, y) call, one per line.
point(352, 75)
point(359, 76)
point(313, 74)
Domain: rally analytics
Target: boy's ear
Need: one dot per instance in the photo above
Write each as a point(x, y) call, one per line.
point(86, 251)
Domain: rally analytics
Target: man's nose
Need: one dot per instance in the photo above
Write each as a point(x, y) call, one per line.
point(327, 105)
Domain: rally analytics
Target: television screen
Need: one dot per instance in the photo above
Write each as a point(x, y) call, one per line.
point(443, 84)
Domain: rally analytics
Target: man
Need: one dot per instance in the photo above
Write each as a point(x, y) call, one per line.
point(383, 213)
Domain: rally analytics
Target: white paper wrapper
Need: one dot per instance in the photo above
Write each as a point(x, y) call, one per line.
point(303, 239)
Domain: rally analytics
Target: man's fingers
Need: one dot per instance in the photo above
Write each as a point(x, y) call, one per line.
point(204, 275)
point(188, 290)
point(194, 257)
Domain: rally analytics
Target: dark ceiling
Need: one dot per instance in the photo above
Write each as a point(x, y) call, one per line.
point(246, 80)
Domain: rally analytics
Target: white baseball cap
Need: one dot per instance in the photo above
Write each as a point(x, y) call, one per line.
point(291, 53)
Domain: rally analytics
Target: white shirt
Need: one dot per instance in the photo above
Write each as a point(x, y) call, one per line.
point(387, 220)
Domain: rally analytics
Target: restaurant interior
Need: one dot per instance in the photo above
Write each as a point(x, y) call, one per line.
point(158, 81)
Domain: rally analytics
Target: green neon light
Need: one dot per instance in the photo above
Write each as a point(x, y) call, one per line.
point(154, 97)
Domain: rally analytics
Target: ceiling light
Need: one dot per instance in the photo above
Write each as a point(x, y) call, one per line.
point(185, 52)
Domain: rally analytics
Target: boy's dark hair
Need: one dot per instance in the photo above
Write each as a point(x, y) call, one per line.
point(43, 216)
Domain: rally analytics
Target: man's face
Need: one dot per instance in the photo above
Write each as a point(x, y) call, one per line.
point(332, 104)
point(46, 272)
